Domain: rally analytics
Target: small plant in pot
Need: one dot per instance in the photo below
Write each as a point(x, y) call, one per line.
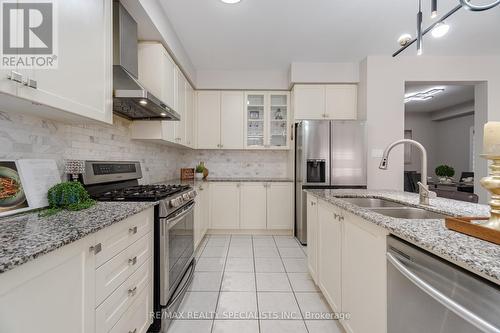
point(199, 170)
point(445, 173)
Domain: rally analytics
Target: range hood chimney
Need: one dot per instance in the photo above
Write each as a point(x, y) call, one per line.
point(130, 99)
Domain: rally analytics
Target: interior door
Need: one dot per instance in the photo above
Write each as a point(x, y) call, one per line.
point(232, 114)
point(348, 164)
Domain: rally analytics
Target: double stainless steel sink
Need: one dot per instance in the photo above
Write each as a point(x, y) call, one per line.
point(394, 209)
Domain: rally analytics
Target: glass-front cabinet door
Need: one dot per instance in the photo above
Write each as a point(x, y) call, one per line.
point(255, 120)
point(267, 120)
point(278, 120)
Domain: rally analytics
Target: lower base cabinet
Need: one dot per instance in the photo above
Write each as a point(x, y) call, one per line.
point(224, 205)
point(251, 206)
point(364, 275)
point(63, 291)
point(52, 294)
point(346, 256)
point(201, 213)
point(330, 254)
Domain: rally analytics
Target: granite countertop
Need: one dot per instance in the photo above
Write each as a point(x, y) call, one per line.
point(26, 236)
point(475, 255)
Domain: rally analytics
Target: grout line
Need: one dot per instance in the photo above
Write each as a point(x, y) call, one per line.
point(256, 290)
point(291, 287)
point(220, 286)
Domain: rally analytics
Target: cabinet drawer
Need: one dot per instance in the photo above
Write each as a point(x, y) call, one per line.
point(119, 236)
point(138, 317)
point(112, 309)
point(114, 272)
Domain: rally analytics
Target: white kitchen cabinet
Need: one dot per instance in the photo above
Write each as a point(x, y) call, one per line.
point(330, 101)
point(157, 71)
point(312, 236)
point(208, 119)
point(76, 88)
point(54, 293)
point(341, 101)
point(231, 135)
point(253, 205)
point(179, 127)
point(330, 254)
point(364, 278)
point(225, 205)
point(266, 120)
point(201, 213)
point(309, 101)
point(189, 116)
point(280, 206)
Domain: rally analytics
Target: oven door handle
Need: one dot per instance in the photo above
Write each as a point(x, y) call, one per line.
point(450, 304)
point(176, 219)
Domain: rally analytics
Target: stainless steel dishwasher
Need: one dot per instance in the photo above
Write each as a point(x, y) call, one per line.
point(428, 294)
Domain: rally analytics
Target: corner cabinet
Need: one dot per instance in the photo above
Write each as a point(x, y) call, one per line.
point(267, 120)
point(77, 89)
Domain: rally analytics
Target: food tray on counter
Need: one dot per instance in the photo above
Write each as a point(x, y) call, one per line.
point(473, 226)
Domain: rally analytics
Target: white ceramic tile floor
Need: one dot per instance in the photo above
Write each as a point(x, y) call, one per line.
point(253, 284)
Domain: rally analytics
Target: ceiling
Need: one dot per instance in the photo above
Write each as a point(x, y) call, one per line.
point(270, 34)
point(453, 94)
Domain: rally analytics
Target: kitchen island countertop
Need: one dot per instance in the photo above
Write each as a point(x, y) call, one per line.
point(475, 255)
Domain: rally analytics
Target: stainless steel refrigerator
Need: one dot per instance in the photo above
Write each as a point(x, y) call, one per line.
point(328, 154)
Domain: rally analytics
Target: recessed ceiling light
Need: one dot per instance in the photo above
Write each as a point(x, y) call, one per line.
point(230, 1)
point(440, 30)
point(163, 114)
point(143, 102)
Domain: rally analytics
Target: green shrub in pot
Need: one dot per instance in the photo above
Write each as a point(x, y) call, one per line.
point(445, 172)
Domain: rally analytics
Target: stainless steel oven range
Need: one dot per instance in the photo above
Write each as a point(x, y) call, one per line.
point(173, 229)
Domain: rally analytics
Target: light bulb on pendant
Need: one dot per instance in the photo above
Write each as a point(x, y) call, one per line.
point(230, 1)
point(434, 8)
point(440, 30)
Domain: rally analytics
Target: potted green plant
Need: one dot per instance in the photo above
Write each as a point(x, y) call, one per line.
point(200, 168)
point(445, 173)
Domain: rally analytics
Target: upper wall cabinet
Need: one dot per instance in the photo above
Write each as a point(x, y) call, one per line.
point(267, 119)
point(320, 101)
point(81, 85)
point(177, 88)
point(157, 71)
point(219, 119)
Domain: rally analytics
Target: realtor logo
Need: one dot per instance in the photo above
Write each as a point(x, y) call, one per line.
point(29, 38)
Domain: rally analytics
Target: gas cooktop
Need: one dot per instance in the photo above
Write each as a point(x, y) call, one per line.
point(142, 193)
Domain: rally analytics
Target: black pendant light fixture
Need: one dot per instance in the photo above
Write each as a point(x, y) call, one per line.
point(466, 4)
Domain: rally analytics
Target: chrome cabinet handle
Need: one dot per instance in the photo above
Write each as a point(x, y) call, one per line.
point(450, 304)
point(15, 76)
point(133, 230)
point(132, 261)
point(30, 83)
point(313, 203)
point(96, 248)
point(132, 291)
point(133, 331)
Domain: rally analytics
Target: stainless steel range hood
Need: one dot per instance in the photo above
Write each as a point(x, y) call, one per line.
point(130, 98)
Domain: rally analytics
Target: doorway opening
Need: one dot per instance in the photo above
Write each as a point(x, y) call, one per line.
point(442, 117)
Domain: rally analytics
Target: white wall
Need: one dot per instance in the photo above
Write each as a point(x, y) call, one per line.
point(242, 79)
point(447, 141)
point(385, 83)
point(340, 72)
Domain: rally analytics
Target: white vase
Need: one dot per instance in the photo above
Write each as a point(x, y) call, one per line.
point(198, 176)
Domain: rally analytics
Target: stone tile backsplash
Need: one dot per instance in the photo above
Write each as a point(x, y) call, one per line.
point(26, 136)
